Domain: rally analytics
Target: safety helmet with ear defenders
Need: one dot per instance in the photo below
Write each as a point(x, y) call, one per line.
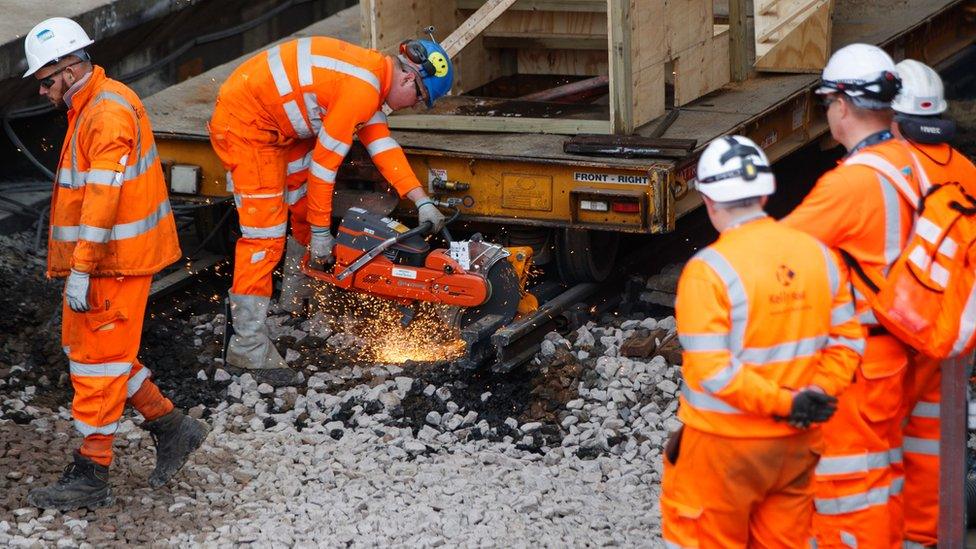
point(733, 168)
point(432, 64)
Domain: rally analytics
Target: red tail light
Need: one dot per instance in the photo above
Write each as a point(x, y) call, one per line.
point(626, 207)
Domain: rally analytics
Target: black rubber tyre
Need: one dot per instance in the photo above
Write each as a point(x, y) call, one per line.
point(583, 255)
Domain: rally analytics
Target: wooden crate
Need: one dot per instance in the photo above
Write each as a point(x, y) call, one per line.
point(640, 44)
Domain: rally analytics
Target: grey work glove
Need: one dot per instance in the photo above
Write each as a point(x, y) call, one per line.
point(76, 291)
point(321, 245)
point(427, 211)
point(811, 406)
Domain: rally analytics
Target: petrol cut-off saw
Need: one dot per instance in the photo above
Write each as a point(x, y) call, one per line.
point(481, 283)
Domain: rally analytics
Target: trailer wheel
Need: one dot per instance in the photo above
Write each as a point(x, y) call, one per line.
point(585, 256)
point(217, 228)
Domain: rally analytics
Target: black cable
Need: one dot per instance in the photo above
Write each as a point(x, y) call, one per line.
point(9, 130)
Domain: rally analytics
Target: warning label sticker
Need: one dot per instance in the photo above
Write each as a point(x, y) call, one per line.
point(630, 179)
point(405, 273)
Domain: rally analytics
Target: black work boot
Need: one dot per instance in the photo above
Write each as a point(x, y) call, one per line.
point(83, 483)
point(176, 436)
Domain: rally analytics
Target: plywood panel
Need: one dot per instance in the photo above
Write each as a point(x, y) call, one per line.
point(388, 22)
point(797, 41)
point(701, 69)
point(575, 62)
point(687, 23)
point(550, 23)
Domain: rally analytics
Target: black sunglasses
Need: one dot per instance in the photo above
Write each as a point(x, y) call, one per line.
point(826, 100)
point(46, 83)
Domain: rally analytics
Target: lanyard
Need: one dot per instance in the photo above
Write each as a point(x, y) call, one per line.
point(872, 139)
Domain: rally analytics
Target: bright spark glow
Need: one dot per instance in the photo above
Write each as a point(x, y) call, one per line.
point(428, 338)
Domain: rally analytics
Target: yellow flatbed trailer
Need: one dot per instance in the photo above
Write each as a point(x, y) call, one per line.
point(526, 183)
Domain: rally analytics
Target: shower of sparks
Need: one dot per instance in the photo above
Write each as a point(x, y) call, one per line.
point(429, 337)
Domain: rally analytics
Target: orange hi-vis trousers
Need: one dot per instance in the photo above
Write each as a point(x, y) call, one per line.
point(102, 345)
point(921, 445)
point(726, 493)
point(268, 179)
point(860, 477)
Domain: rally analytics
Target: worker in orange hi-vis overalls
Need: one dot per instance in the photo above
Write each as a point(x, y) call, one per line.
point(770, 337)
point(918, 120)
point(287, 115)
point(111, 230)
point(853, 208)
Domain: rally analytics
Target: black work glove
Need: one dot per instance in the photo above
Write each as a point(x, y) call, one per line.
point(811, 407)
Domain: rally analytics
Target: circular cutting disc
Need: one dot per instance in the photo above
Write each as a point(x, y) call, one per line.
point(503, 295)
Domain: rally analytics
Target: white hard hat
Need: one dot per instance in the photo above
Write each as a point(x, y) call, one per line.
point(922, 93)
point(863, 72)
point(51, 40)
point(732, 168)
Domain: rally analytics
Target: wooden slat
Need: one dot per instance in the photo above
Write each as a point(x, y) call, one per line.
point(797, 42)
point(496, 124)
point(702, 69)
point(475, 24)
point(543, 5)
point(561, 42)
point(621, 74)
point(739, 62)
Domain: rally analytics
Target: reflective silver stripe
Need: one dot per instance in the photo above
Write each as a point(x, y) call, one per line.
point(842, 313)
point(897, 484)
point(848, 539)
point(135, 382)
point(77, 178)
point(334, 64)
point(142, 165)
point(292, 197)
point(967, 324)
point(927, 230)
point(305, 61)
point(378, 118)
point(720, 379)
point(118, 232)
point(321, 172)
point(672, 545)
point(784, 351)
point(278, 71)
point(314, 111)
point(907, 544)
point(867, 318)
point(88, 430)
point(260, 195)
point(106, 369)
point(738, 316)
point(842, 465)
point(294, 114)
point(894, 455)
point(856, 345)
point(382, 145)
point(939, 274)
point(948, 248)
point(66, 349)
point(736, 293)
point(891, 173)
point(704, 342)
point(914, 445)
point(852, 503)
point(892, 248)
point(333, 144)
point(230, 183)
point(926, 409)
point(299, 164)
point(102, 177)
point(94, 234)
point(264, 232)
point(707, 402)
point(833, 275)
point(813, 543)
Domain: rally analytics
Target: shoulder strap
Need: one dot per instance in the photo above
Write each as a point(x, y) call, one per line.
point(892, 174)
point(856, 267)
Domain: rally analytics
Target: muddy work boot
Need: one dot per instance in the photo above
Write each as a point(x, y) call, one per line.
point(295, 286)
point(176, 436)
point(250, 348)
point(84, 483)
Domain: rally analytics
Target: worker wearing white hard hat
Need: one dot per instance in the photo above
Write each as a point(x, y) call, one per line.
point(920, 120)
point(112, 228)
point(763, 358)
point(854, 208)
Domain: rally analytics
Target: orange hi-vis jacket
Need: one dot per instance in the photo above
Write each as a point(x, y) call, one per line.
point(110, 211)
point(763, 311)
point(328, 89)
point(940, 163)
point(854, 208)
